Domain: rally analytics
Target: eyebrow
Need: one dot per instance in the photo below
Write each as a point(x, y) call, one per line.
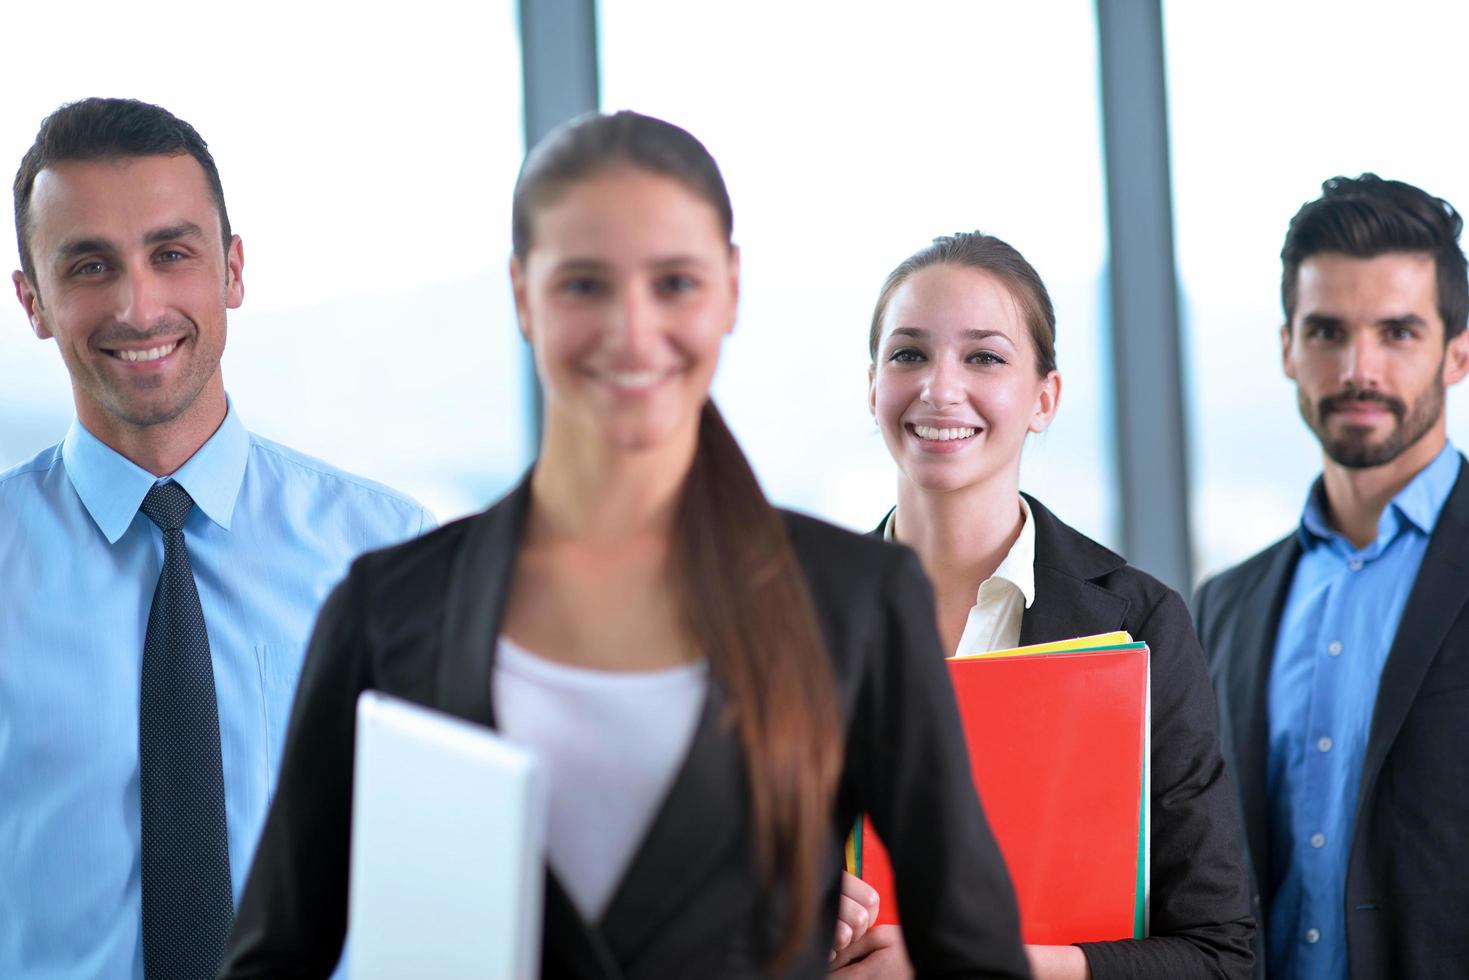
point(82, 246)
point(598, 265)
point(1328, 320)
point(184, 229)
point(85, 246)
point(919, 333)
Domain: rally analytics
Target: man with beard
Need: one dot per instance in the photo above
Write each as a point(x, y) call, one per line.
point(160, 569)
point(1340, 655)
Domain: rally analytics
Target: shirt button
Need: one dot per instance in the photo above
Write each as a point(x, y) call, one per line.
point(1324, 743)
point(1318, 840)
point(1313, 935)
point(1355, 565)
point(1334, 648)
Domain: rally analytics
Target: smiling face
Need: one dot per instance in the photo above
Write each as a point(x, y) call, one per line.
point(955, 388)
point(625, 294)
point(132, 280)
point(1366, 350)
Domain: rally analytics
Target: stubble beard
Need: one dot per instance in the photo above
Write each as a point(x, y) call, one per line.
point(1354, 449)
point(122, 399)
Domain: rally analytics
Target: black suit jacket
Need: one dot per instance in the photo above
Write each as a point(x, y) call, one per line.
point(1407, 889)
point(1199, 923)
point(420, 621)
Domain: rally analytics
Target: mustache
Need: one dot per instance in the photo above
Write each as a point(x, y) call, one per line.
point(118, 334)
point(1339, 401)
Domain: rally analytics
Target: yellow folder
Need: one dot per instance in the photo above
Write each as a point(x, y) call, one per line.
point(1059, 646)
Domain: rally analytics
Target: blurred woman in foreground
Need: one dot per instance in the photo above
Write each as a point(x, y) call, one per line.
point(716, 688)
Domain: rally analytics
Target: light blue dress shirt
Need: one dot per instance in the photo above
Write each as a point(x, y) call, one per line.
point(271, 532)
point(1338, 626)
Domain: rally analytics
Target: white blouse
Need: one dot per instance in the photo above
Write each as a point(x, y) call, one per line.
point(611, 743)
point(994, 619)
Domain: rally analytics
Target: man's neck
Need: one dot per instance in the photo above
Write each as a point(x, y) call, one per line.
point(160, 449)
point(1356, 498)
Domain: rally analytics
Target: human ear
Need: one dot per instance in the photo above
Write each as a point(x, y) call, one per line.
point(734, 286)
point(1048, 400)
point(234, 283)
point(1456, 358)
point(872, 391)
point(517, 288)
point(1285, 352)
point(30, 301)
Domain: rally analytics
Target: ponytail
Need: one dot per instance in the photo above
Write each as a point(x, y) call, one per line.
point(749, 609)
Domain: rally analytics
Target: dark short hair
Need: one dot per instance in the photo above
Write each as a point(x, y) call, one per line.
point(98, 129)
point(1365, 217)
point(976, 250)
point(596, 142)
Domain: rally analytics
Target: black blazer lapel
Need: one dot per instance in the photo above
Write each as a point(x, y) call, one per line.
point(1067, 603)
point(1243, 684)
point(478, 587)
point(569, 947)
point(1438, 596)
point(691, 834)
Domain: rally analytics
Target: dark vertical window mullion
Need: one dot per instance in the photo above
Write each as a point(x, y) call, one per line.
point(1152, 463)
point(558, 57)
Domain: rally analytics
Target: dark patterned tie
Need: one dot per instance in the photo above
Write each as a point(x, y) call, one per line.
point(187, 903)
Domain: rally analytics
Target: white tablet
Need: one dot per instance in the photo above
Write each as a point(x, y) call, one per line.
point(448, 848)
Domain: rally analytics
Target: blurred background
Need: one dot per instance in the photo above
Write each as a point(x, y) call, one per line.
point(368, 152)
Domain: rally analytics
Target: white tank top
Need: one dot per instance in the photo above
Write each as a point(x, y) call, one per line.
point(611, 743)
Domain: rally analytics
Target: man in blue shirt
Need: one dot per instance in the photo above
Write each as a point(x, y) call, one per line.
point(157, 507)
point(1340, 655)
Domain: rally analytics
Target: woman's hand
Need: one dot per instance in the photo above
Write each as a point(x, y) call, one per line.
point(856, 912)
point(879, 955)
point(1058, 963)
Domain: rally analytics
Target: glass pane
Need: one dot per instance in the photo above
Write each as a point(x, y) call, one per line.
point(1250, 146)
point(367, 159)
point(850, 136)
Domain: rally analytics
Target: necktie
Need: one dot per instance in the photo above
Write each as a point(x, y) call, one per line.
point(187, 903)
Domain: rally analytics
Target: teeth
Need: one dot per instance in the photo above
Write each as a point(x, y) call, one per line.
point(633, 379)
point(151, 354)
point(942, 435)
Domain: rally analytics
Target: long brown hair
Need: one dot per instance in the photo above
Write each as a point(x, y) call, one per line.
point(744, 596)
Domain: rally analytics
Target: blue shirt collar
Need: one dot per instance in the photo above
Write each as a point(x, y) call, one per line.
point(1419, 503)
point(112, 487)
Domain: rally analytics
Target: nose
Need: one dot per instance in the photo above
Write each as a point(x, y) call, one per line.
point(943, 384)
point(636, 327)
point(1362, 363)
point(142, 298)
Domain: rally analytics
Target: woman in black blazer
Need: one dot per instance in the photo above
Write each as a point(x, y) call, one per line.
point(963, 370)
point(640, 547)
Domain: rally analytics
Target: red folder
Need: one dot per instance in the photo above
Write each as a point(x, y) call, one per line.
point(1059, 748)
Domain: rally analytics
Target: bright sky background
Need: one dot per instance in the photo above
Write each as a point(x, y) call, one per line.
point(850, 136)
point(368, 152)
point(367, 157)
point(1267, 100)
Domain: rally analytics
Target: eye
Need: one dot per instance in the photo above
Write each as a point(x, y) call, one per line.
point(906, 355)
point(1324, 331)
point(582, 287)
point(92, 267)
point(676, 284)
point(986, 357)
point(170, 255)
point(1401, 332)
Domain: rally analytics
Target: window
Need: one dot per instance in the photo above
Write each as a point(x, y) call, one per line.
point(367, 158)
point(849, 137)
point(1252, 141)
